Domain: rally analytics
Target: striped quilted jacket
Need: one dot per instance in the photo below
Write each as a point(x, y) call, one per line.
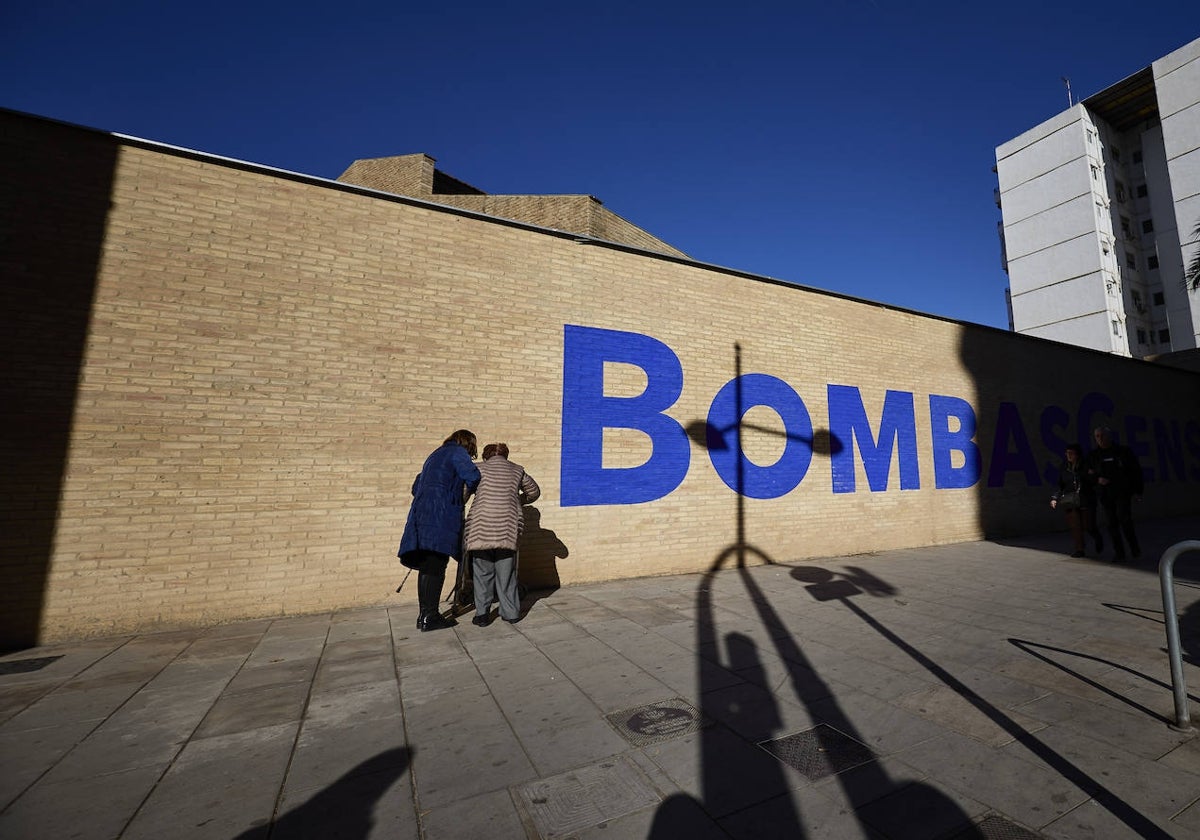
point(495, 519)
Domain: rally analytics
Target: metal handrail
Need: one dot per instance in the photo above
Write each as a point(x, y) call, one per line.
point(1171, 619)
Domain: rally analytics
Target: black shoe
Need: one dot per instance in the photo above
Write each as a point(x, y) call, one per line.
point(511, 620)
point(434, 621)
point(429, 593)
point(481, 621)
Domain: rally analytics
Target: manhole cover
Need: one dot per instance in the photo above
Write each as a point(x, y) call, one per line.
point(819, 752)
point(997, 828)
point(25, 666)
point(570, 802)
point(656, 722)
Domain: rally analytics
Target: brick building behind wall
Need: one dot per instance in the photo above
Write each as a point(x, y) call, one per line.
point(221, 380)
point(417, 177)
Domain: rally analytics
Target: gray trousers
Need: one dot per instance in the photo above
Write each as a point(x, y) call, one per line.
point(496, 572)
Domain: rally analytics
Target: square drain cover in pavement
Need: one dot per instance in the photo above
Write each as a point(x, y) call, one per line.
point(25, 666)
point(819, 752)
point(570, 802)
point(997, 828)
point(656, 722)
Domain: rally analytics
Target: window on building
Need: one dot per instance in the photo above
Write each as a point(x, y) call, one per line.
point(1116, 153)
point(1148, 226)
point(1116, 328)
point(1120, 191)
point(1141, 336)
point(1125, 229)
point(1152, 262)
point(1130, 260)
point(1142, 192)
point(1158, 298)
point(1164, 336)
point(1137, 301)
point(1137, 155)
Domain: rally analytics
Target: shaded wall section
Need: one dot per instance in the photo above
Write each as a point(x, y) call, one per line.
point(1036, 397)
point(54, 200)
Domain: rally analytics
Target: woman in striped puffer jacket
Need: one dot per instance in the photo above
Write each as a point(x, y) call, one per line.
point(493, 530)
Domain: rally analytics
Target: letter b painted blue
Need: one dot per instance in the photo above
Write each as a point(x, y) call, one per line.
point(587, 412)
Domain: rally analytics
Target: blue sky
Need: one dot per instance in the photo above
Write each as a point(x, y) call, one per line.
point(845, 145)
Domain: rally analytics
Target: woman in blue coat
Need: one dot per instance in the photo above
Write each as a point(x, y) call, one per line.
point(433, 532)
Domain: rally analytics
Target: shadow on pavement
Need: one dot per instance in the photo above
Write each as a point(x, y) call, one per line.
point(1027, 647)
point(345, 809)
point(1139, 824)
point(1138, 612)
point(1156, 536)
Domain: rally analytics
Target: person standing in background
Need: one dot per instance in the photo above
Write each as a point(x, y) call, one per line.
point(1076, 500)
point(1118, 478)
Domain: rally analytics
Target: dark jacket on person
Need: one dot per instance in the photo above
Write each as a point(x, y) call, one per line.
point(1075, 478)
point(1120, 466)
point(436, 516)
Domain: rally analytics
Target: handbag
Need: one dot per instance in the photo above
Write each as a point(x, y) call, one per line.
point(1069, 500)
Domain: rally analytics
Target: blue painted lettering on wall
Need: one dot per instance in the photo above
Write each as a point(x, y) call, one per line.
point(1054, 419)
point(875, 442)
point(731, 464)
point(587, 412)
point(1010, 448)
point(897, 430)
point(947, 441)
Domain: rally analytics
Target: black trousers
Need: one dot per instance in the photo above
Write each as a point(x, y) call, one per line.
point(1081, 521)
point(1118, 519)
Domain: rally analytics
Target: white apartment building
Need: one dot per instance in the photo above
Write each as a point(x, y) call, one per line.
point(1100, 209)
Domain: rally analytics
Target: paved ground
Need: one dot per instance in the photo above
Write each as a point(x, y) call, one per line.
point(975, 690)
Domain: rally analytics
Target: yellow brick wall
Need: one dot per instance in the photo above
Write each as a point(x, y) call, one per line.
point(267, 361)
point(415, 176)
point(401, 174)
point(571, 213)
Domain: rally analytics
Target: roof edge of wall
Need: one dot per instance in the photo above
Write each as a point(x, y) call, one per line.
point(329, 183)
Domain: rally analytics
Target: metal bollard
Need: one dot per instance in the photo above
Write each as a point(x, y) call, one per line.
point(1167, 580)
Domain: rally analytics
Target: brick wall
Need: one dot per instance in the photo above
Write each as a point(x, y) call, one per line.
point(267, 360)
point(401, 174)
point(415, 176)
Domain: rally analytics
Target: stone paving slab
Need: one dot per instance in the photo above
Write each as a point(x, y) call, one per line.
point(950, 709)
point(361, 805)
point(27, 754)
point(100, 806)
point(325, 754)
point(994, 684)
point(487, 815)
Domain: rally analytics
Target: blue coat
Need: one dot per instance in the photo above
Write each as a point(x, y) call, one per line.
point(435, 519)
